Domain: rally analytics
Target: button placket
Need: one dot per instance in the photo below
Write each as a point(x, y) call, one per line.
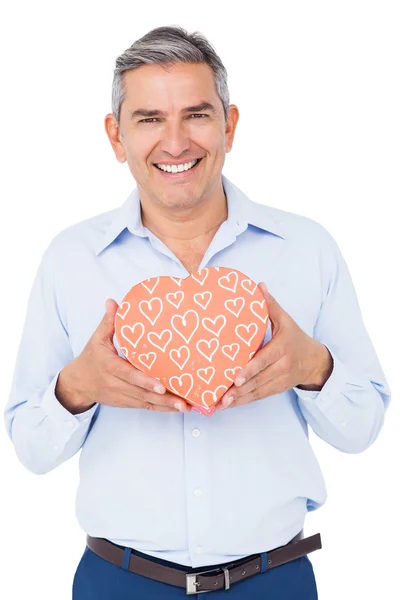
point(196, 482)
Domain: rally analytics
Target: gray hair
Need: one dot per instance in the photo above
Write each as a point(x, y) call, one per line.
point(167, 46)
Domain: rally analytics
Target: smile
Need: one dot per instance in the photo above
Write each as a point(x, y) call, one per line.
point(173, 172)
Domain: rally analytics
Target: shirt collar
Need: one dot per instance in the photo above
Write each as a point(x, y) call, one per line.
point(241, 212)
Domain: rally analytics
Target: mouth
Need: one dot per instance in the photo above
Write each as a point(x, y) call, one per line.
point(179, 174)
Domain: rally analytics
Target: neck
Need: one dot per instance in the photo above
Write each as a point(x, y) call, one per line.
point(185, 224)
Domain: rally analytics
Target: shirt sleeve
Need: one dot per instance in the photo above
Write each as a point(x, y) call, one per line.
point(43, 432)
point(349, 411)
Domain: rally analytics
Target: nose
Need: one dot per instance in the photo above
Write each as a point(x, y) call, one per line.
point(175, 138)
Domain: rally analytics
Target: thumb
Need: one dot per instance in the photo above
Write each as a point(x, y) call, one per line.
point(275, 311)
point(107, 325)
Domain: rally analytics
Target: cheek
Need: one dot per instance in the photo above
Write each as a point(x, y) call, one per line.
point(210, 137)
point(139, 161)
point(140, 145)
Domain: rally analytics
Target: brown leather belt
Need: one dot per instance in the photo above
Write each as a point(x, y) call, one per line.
point(216, 578)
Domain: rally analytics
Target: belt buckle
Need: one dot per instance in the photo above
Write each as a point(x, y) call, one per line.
point(191, 583)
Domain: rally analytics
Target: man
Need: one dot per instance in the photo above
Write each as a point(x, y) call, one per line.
point(180, 503)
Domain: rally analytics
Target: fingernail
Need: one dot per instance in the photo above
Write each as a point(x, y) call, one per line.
point(227, 401)
point(160, 389)
point(179, 406)
point(239, 381)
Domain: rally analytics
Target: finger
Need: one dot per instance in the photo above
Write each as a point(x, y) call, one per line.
point(266, 356)
point(138, 393)
point(263, 287)
point(259, 379)
point(126, 371)
point(250, 389)
point(106, 327)
point(126, 401)
point(277, 385)
point(277, 315)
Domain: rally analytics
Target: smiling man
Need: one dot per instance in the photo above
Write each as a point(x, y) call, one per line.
point(173, 134)
point(178, 504)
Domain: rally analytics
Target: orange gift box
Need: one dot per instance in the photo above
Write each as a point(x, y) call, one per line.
point(193, 334)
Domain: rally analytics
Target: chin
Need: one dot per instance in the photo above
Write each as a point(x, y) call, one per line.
point(179, 203)
point(180, 196)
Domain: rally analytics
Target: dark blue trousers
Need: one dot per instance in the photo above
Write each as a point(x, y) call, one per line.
point(98, 579)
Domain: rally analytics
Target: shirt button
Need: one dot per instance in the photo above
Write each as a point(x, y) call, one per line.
point(199, 550)
point(198, 492)
point(195, 432)
point(343, 423)
point(86, 419)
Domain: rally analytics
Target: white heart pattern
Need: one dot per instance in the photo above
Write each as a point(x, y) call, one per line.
point(234, 302)
point(231, 277)
point(209, 373)
point(125, 311)
point(129, 334)
point(201, 302)
point(230, 373)
point(180, 388)
point(258, 311)
point(193, 334)
point(171, 297)
point(183, 350)
point(146, 361)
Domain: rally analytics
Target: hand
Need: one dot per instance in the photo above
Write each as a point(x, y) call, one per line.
point(291, 358)
point(99, 374)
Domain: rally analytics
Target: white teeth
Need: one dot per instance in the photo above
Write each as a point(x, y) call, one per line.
point(177, 168)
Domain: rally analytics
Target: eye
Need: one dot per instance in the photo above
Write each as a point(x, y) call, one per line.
point(147, 120)
point(153, 119)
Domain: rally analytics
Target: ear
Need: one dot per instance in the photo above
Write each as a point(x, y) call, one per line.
point(233, 117)
point(114, 135)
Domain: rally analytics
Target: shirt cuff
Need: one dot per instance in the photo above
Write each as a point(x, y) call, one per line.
point(335, 383)
point(60, 415)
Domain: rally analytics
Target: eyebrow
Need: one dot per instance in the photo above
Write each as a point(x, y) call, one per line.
point(142, 112)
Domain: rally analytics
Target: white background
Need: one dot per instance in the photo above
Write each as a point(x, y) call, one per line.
point(317, 86)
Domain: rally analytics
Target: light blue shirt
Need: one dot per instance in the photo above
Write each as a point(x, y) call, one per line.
point(190, 488)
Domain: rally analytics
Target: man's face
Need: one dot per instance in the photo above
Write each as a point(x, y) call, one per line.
point(174, 135)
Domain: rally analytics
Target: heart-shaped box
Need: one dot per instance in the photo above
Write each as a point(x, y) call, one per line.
point(193, 334)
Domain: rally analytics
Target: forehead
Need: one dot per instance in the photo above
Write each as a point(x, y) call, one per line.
point(178, 83)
